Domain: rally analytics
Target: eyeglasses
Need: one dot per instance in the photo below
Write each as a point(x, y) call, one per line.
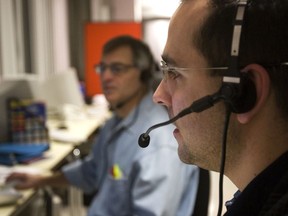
point(170, 72)
point(115, 68)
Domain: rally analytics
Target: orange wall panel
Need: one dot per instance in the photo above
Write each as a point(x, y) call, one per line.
point(96, 35)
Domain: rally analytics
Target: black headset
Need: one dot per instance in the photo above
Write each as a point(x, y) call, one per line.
point(147, 67)
point(238, 89)
point(146, 75)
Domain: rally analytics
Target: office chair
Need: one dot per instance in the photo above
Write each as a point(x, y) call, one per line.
point(202, 199)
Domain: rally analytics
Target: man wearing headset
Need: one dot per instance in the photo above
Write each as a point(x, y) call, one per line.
point(128, 180)
point(196, 57)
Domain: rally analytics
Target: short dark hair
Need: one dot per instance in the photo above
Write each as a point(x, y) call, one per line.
point(141, 53)
point(264, 39)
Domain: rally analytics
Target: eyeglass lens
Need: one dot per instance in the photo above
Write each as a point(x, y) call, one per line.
point(115, 68)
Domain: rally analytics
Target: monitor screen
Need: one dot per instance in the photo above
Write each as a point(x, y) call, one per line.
point(59, 89)
point(56, 91)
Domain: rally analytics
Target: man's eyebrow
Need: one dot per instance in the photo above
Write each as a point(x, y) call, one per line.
point(168, 60)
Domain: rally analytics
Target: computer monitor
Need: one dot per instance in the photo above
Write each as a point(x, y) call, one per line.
point(56, 91)
point(59, 89)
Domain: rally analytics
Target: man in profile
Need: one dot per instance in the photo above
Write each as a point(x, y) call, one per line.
point(201, 58)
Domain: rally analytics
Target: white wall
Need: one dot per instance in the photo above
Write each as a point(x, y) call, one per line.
point(155, 34)
point(156, 17)
point(158, 8)
point(60, 35)
point(228, 191)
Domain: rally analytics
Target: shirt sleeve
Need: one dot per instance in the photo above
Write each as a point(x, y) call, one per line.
point(81, 174)
point(85, 173)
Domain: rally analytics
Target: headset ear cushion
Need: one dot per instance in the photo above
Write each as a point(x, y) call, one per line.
point(146, 75)
point(246, 98)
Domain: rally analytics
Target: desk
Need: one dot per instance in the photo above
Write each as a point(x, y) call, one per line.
point(78, 130)
point(64, 142)
point(53, 158)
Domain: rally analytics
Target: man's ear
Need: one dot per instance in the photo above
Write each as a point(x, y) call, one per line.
point(261, 80)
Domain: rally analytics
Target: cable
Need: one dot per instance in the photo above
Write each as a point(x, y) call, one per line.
point(223, 158)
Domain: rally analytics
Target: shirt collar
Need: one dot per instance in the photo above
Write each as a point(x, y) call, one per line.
point(133, 115)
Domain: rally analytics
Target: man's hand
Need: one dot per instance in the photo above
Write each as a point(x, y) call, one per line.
point(23, 181)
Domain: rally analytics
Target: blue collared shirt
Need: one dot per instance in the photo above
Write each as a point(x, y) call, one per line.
point(131, 180)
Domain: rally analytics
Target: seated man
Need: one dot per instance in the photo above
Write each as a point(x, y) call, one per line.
point(244, 135)
point(129, 180)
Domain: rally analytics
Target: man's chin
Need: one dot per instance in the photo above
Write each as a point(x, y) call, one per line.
point(184, 153)
point(184, 158)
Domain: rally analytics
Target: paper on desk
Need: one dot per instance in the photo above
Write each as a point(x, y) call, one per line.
point(65, 136)
point(8, 194)
point(7, 170)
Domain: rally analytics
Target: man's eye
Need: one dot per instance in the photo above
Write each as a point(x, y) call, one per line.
point(117, 68)
point(172, 73)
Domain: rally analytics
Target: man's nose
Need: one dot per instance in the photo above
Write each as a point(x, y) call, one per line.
point(160, 96)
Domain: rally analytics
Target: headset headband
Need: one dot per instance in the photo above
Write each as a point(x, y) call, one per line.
point(233, 70)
